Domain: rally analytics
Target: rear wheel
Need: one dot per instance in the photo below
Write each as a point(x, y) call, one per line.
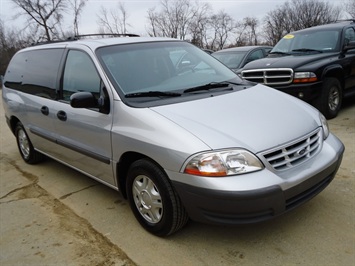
point(331, 98)
point(153, 200)
point(28, 153)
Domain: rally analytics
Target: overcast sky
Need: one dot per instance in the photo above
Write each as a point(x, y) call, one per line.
point(137, 11)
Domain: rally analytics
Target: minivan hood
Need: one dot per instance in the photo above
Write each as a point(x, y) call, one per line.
point(257, 118)
point(290, 61)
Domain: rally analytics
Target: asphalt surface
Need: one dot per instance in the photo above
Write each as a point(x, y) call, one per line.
point(53, 215)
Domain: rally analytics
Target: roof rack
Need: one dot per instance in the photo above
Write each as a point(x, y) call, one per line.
point(47, 42)
point(344, 20)
point(78, 37)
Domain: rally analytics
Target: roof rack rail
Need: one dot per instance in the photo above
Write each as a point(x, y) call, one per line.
point(348, 19)
point(47, 42)
point(77, 37)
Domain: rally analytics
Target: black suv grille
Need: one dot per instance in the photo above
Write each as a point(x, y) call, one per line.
point(294, 153)
point(270, 76)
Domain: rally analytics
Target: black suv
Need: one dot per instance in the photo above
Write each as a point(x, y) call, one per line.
point(316, 65)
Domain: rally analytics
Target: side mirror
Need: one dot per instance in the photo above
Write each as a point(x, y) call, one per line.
point(83, 100)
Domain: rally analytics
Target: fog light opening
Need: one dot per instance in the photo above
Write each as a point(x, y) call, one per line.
point(300, 95)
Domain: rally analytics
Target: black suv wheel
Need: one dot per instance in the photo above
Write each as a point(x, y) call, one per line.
point(331, 98)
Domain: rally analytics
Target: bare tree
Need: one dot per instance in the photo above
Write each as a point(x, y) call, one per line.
point(247, 32)
point(198, 26)
point(350, 8)
point(173, 20)
point(10, 42)
point(45, 15)
point(309, 13)
point(222, 26)
point(5, 54)
point(114, 21)
point(298, 14)
point(276, 25)
point(77, 7)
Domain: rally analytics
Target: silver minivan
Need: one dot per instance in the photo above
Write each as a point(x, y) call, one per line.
point(170, 127)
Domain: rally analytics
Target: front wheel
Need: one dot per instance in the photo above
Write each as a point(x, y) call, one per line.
point(331, 99)
point(28, 153)
point(153, 200)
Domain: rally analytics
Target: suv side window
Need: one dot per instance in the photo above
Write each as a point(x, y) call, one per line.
point(80, 75)
point(349, 35)
point(35, 72)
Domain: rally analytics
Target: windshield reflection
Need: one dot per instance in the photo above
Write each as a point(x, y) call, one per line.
point(324, 41)
point(160, 66)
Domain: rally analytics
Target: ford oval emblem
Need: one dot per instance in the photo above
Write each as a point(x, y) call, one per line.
point(301, 152)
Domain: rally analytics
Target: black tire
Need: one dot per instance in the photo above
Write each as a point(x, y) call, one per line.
point(153, 200)
point(28, 153)
point(331, 99)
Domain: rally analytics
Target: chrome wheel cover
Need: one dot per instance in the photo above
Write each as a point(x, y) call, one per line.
point(147, 199)
point(24, 144)
point(334, 98)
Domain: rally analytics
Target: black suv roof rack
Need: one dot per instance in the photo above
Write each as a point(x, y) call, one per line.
point(78, 37)
point(344, 20)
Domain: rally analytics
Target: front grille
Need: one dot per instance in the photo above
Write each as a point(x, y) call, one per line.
point(270, 76)
point(294, 153)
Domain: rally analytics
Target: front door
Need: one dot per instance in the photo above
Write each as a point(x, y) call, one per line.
point(84, 135)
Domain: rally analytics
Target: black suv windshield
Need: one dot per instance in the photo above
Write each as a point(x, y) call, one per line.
point(320, 41)
point(160, 67)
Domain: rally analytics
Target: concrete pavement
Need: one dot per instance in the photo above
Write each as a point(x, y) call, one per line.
point(53, 215)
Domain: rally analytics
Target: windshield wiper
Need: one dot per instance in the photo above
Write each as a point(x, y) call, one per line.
point(279, 52)
point(152, 94)
point(307, 50)
point(209, 86)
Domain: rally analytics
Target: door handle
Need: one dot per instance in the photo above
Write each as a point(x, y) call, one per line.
point(45, 110)
point(62, 115)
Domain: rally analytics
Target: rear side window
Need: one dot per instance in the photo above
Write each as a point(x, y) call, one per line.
point(35, 72)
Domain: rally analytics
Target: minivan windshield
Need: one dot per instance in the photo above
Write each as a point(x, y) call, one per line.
point(308, 42)
point(161, 68)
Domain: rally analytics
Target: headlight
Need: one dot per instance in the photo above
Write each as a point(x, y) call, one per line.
point(223, 163)
point(325, 127)
point(304, 77)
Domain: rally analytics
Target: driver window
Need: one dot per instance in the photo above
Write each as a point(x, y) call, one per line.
point(80, 75)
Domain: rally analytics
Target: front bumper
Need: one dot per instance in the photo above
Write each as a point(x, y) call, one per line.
point(217, 206)
point(310, 91)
